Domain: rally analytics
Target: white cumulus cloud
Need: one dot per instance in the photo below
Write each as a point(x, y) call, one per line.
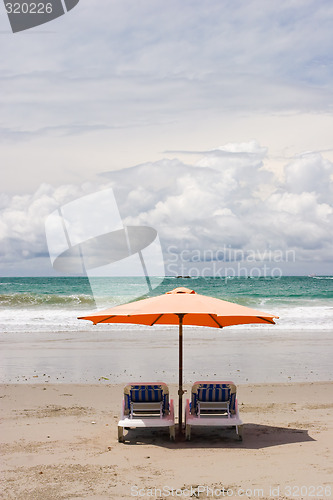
point(221, 201)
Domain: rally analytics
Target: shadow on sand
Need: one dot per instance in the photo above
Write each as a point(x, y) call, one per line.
point(255, 437)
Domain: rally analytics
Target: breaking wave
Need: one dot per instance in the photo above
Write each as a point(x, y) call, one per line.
point(27, 299)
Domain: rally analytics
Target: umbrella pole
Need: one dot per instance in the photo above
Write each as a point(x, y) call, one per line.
point(180, 384)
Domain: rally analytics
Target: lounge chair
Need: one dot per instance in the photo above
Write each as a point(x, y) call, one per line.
point(146, 405)
point(213, 404)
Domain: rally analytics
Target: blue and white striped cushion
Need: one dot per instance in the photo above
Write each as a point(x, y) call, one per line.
point(213, 392)
point(146, 393)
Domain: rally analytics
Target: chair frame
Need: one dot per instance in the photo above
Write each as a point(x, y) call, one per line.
point(213, 414)
point(146, 414)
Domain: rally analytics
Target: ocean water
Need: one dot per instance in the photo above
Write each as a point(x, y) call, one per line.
point(42, 340)
point(51, 304)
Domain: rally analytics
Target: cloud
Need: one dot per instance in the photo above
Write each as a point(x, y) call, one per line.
point(218, 202)
point(16, 135)
point(22, 219)
point(162, 60)
point(310, 173)
point(234, 202)
point(108, 86)
point(122, 82)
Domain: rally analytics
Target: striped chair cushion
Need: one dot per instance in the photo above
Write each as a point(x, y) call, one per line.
point(214, 393)
point(146, 393)
point(211, 393)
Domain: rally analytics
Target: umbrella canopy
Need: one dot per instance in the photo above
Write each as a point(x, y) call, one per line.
point(181, 306)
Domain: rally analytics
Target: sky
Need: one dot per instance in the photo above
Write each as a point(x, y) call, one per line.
point(211, 121)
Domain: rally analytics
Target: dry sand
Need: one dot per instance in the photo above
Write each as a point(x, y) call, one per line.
point(60, 442)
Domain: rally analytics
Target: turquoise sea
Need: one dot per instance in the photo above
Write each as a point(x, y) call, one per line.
point(42, 339)
point(53, 304)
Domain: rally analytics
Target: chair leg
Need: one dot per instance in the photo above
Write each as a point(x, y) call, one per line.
point(188, 432)
point(172, 432)
point(120, 434)
point(239, 430)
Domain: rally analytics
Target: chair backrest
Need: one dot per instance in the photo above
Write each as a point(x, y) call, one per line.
point(146, 393)
point(213, 392)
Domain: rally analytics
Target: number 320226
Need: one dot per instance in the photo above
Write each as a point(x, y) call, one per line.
point(28, 8)
point(308, 491)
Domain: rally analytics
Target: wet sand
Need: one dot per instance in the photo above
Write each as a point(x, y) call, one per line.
point(251, 355)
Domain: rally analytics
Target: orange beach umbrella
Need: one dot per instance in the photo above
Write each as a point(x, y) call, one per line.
point(181, 306)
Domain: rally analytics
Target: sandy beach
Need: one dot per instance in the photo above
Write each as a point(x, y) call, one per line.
point(59, 441)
